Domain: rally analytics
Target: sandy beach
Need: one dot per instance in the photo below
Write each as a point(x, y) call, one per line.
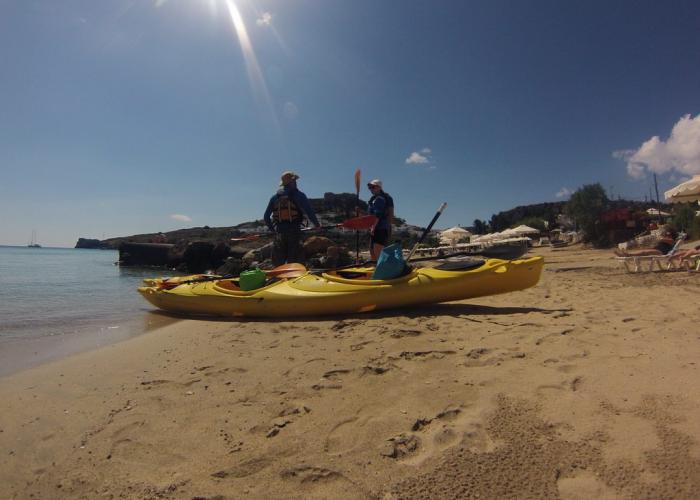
point(586, 386)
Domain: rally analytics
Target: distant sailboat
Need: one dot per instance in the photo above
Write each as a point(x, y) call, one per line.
point(33, 243)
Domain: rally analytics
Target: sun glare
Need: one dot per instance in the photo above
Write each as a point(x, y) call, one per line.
point(255, 75)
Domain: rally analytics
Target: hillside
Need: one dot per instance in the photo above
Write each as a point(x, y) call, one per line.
point(331, 209)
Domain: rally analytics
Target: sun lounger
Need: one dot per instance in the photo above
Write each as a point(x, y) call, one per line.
point(690, 264)
point(647, 263)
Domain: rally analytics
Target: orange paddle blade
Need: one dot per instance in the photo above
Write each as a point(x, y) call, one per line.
point(358, 174)
point(364, 222)
point(291, 274)
point(292, 267)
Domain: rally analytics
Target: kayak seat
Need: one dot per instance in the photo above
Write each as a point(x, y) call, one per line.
point(357, 275)
point(229, 285)
point(352, 275)
point(460, 265)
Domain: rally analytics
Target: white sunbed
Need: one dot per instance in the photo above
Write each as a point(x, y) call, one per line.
point(647, 263)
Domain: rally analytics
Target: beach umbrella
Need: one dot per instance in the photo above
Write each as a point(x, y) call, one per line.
point(509, 233)
point(684, 192)
point(523, 229)
point(454, 234)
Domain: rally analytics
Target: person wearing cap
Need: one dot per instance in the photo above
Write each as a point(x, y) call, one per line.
point(381, 205)
point(284, 216)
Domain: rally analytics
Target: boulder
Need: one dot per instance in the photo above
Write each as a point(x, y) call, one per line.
point(231, 267)
point(237, 251)
point(144, 254)
point(336, 256)
point(219, 254)
point(317, 245)
point(258, 255)
point(197, 256)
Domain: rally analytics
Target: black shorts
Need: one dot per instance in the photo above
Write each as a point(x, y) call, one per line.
point(380, 237)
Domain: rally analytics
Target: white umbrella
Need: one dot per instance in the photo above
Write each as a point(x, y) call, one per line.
point(457, 231)
point(685, 192)
point(454, 234)
point(523, 229)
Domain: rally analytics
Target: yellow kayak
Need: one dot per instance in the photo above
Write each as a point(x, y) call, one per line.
point(343, 292)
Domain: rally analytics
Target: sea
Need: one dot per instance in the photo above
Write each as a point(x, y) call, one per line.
point(55, 302)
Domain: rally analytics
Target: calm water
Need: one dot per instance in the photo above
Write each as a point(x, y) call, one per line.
point(55, 301)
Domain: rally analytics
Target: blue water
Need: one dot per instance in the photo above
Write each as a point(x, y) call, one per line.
point(60, 292)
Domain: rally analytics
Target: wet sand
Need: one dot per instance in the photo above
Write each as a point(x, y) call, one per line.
point(585, 386)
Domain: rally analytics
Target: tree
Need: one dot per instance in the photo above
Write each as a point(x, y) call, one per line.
point(586, 206)
point(684, 219)
point(480, 226)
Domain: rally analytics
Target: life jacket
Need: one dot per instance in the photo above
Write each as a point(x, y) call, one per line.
point(385, 220)
point(285, 210)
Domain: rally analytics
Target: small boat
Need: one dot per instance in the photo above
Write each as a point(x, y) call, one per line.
point(33, 243)
point(347, 291)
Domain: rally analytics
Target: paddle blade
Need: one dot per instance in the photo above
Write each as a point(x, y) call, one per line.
point(292, 267)
point(250, 237)
point(292, 274)
point(364, 222)
point(358, 174)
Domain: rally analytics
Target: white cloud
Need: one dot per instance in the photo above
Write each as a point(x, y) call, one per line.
point(181, 218)
point(679, 154)
point(265, 19)
point(624, 154)
point(416, 159)
point(564, 192)
point(421, 158)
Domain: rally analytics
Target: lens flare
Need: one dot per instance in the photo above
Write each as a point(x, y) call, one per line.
point(255, 75)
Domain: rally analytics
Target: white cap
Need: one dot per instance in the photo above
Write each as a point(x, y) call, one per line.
point(375, 182)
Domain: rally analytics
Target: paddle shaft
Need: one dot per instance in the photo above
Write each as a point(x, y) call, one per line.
point(427, 230)
point(358, 174)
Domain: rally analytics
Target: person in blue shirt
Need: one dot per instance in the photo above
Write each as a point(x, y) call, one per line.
point(381, 205)
point(284, 216)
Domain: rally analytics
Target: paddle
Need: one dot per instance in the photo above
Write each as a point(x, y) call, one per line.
point(358, 174)
point(357, 223)
point(420, 240)
point(290, 270)
point(426, 231)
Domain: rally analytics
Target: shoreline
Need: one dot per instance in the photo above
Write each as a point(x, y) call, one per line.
point(22, 353)
point(583, 386)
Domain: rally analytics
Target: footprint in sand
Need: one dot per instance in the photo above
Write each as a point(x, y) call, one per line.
point(346, 325)
point(361, 345)
point(424, 355)
point(572, 385)
point(243, 469)
point(488, 357)
point(305, 474)
point(400, 446)
point(431, 436)
point(404, 332)
point(331, 380)
point(348, 434)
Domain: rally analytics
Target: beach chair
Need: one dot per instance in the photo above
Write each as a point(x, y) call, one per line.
point(690, 263)
point(647, 263)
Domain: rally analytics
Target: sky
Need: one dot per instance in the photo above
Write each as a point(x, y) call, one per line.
point(120, 117)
